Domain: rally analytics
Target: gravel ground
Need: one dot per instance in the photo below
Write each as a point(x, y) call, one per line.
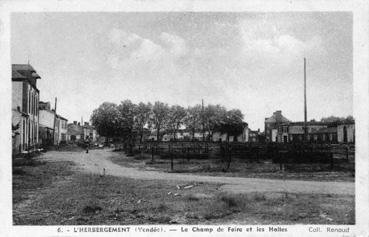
point(98, 162)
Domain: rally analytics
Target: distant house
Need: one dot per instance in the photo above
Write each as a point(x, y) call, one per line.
point(50, 121)
point(294, 132)
point(184, 134)
point(25, 97)
point(61, 129)
point(271, 126)
point(77, 132)
point(46, 122)
point(346, 132)
point(89, 132)
point(74, 132)
point(317, 132)
point(254, 136)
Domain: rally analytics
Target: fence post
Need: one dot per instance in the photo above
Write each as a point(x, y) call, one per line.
point(171, 158)
point(347, 153)
point(152, 154)
point(188, 154)
point(229, 149)
point(331, 161)
point(280, 160)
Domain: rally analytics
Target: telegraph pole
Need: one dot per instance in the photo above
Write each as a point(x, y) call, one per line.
point(56, 99)
point(203, 123)
point(305, 109)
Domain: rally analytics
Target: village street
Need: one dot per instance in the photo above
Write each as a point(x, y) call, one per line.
point(97, 160)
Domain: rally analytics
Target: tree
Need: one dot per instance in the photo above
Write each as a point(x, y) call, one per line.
point(193, 119)
point(232, 123)
point(335, 119)
point(143, 113)
point(213, 117)
point(127, 112)
point(160, 116)
point(177, 115)
point(106, 119)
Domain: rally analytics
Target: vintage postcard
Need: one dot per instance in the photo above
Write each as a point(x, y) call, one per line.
point(188, 117)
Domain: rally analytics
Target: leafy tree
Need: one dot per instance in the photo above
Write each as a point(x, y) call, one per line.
point(160, 117)
point(214, 115)
point(177, 116)
point(106, 119)
point(193, 119)
point(232, 123)
point(127, 112)
point(335, 119)
point(143, 113)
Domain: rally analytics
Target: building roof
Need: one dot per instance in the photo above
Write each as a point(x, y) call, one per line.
point(277, 117)
point(25, 72)
point(60, 117)
point(23, 67)
point(327, 130)
point(74, 129)
point(311, 123)
point(17, 75)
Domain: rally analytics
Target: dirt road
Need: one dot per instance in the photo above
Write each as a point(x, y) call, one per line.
point(97, 160)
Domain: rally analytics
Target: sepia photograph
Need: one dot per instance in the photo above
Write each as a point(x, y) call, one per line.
point(132, 118)
point(185, 118)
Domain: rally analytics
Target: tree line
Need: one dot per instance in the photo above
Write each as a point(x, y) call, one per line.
point(129, 121)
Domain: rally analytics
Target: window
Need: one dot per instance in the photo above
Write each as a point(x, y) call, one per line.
point(29, 102)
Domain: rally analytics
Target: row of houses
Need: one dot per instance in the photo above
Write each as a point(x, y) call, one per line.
point(81, 131)
point(245, 135)
point(281, 130)
point(34, 123)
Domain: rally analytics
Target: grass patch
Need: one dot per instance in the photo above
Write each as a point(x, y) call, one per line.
point(34, 174)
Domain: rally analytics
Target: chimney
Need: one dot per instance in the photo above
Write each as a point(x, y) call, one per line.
point(278, 115)
point(278, 112)
point(75, 122)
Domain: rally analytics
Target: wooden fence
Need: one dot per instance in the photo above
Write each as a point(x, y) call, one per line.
point(286, 153)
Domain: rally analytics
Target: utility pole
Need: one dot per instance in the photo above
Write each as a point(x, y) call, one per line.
point(305, 109)
point(56, 99)
point(203, 123)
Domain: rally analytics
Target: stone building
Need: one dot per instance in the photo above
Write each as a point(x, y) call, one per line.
point(317, 132)
point(25, 112)
point(61, 129)
point(271, 126)
point(89, 132)
point(74, 132)
point(48, 122)
point(78, 132)
point(346, 132)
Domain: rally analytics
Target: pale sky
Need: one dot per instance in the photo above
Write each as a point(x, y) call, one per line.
point(249, 61)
